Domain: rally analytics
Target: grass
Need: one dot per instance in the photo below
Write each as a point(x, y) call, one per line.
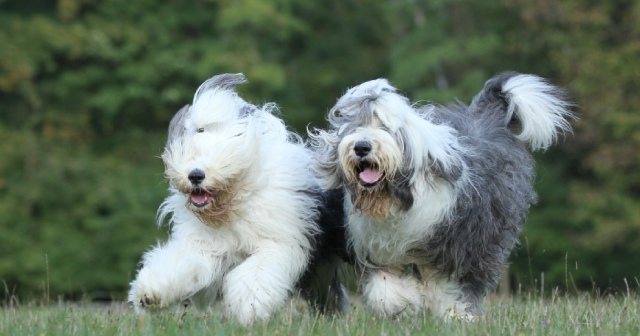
point(583, 314)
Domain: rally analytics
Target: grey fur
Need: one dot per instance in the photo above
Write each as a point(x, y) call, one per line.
point(476, 240)
point(222, 82)
point(472, 244)
point(176, 126)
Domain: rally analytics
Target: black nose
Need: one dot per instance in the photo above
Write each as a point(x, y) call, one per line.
point(362, 148)
point(196, 176)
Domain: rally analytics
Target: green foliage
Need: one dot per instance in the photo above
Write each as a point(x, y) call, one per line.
point(586, 228)
point(596, 225)
point(74, 223)
point(87, 90)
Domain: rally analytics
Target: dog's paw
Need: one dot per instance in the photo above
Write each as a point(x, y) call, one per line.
point(252, 296)
point(150, 301)
point(455, 315)
point(386, 294)
point(247, 303)
point(145, 298)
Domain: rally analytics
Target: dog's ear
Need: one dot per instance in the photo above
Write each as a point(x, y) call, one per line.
point(326, 160)
point(400, 184)
point(176, 126)
point(247, 110)
point(450, 173)
point(220, 82)
point(402, 189)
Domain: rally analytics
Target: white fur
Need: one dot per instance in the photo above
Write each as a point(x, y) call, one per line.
point(386, 292)
point(389, 294)
point(442, 295)
point(254, 259)
point(386, 241)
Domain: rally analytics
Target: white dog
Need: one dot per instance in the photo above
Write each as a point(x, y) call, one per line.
point(245, 213)
point(437, 195)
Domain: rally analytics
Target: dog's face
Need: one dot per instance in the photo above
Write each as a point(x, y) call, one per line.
point(369, 150)
point(370, 156)
point(211, 146)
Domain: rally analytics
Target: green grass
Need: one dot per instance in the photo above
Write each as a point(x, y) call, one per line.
point(583, 314)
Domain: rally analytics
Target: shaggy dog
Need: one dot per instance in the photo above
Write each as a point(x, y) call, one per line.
point(246, 213)
point(437, 195)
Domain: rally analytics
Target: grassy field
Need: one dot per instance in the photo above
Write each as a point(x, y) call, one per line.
point(584, 314)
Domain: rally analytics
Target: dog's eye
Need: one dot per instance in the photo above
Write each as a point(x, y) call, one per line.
point(200, 130)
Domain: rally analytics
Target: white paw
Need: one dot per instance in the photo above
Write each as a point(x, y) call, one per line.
point(153, 291)
point(252, 294)
point(388, 295)
point(452, 314)
point(248, 302)
point(143, 297)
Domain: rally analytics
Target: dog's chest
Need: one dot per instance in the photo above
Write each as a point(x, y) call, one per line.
point(400, 237)
point(388, 242)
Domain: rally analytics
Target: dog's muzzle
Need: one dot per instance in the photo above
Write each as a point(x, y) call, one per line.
point(199, 196)
point(368, 173)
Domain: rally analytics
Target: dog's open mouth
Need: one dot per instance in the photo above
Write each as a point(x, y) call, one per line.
point(369, 174)
point(200, 197)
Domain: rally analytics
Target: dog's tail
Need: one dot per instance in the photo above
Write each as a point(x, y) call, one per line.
point(540, 110)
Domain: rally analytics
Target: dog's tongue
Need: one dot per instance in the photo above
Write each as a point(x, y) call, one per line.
point(369, 175)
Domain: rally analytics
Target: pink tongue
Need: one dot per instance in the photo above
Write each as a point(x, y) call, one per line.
point(370, 175)
point(200, 198)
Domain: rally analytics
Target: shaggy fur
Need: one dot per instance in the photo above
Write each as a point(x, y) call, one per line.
point(246, 213)
point(437, 195)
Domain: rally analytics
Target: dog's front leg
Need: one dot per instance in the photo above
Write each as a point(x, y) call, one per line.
point(172, 273)
point(389, 293)
point(261, 284)
point(445, 297)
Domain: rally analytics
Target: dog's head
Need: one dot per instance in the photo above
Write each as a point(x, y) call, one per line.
point(379, 146)
point(212, 145)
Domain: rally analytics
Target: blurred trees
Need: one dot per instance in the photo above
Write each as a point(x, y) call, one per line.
point(87, 90)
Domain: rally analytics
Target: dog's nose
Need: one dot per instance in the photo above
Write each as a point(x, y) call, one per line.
point(196, 176)
point(362, 148)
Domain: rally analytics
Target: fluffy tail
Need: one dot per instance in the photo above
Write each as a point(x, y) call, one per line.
point(541, 109)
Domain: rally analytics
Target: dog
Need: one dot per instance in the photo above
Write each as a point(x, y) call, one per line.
point(437, 195)
point(248, 219)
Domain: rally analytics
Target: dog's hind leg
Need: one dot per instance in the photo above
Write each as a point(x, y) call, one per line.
point(322, 289)
point(320, 285)
point(203, 298)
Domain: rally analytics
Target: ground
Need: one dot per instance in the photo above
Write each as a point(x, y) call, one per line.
point(526, 314)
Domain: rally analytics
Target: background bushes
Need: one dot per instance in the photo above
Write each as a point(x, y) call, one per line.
point(87, 90)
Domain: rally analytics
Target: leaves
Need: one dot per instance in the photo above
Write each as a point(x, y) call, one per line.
point(87, 90)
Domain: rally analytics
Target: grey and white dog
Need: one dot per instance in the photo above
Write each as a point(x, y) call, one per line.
point(437, 195)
